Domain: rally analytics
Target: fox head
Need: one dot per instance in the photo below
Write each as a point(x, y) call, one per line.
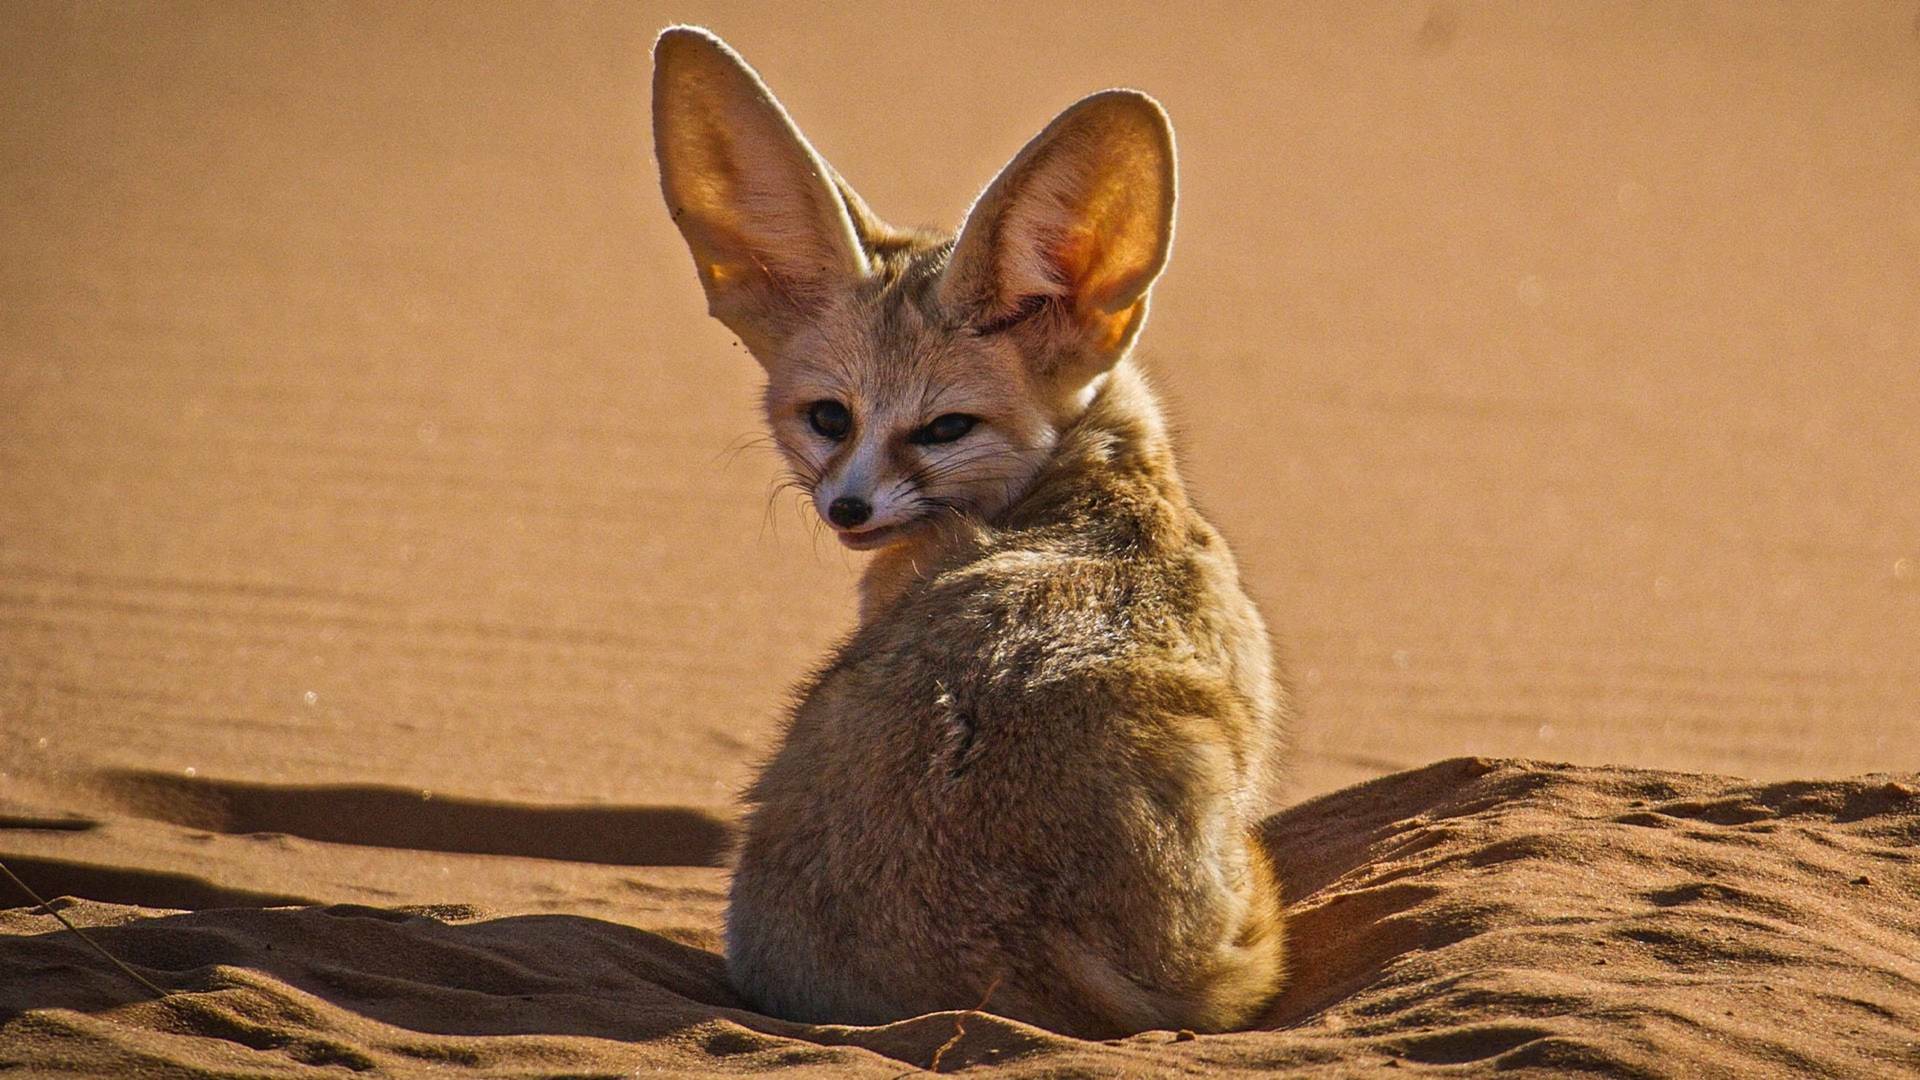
point(912, 377)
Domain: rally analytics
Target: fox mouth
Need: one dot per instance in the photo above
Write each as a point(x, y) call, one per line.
point(876, 536)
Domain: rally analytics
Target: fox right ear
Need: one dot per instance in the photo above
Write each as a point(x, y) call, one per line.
point(770, 224)
point(1063, 245)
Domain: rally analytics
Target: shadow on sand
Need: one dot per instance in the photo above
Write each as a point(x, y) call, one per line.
point(307, 981)
point(399, 818)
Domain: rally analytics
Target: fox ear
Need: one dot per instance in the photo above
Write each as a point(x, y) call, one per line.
point(771, 226)
point(1067, 239)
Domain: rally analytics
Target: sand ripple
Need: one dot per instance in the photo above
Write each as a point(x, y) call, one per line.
point(1510, 915)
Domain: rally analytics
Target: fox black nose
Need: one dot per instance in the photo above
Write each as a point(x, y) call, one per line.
point(848, 511)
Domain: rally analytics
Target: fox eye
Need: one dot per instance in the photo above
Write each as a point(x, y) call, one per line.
point(830, 418)
point(944, 429)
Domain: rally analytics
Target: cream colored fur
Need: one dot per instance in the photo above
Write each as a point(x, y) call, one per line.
point(1035, 766)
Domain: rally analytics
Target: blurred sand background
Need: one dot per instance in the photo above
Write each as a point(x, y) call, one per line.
point(1554, 369)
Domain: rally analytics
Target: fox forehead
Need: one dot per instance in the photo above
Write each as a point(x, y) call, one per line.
point(886, 348)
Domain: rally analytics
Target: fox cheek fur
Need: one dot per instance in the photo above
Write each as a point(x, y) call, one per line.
point(1033, 772)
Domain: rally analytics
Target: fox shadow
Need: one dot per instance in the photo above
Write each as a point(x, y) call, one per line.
point(388, 817)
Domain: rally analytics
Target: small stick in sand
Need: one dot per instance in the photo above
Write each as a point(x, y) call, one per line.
point(960, 1027)
point(157, 991)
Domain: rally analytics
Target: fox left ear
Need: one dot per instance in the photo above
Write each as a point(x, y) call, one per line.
point(1067, 239)
point(773, 229)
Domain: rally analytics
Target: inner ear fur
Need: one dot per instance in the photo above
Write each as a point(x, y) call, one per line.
point(1066, 241)
point(773, 229)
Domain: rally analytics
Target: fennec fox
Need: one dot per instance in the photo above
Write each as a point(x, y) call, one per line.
point(1031, 772)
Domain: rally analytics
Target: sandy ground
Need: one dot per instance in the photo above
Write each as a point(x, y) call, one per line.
point(379, 523)
point(1474, 914)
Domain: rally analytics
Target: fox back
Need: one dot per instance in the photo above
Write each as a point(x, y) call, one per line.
point(1031, 773)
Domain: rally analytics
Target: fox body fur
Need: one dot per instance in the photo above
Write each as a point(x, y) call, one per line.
point(1031, 773)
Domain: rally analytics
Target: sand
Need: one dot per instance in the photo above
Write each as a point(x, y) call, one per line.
point(1506, 914)
point(391, 599)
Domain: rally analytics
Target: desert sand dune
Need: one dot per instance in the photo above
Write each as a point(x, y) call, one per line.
point(392, 600)
point(1535, 918)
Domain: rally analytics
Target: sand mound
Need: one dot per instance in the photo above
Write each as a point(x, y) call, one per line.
point(1472, 913)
